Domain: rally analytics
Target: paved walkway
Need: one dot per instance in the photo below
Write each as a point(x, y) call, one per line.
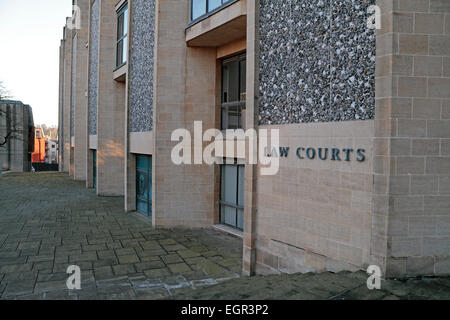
point(48, 222)
point(324, 286)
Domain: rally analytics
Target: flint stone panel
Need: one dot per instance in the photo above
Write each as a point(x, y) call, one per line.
point(141, 65)
point(93, 67)
point(317, 61)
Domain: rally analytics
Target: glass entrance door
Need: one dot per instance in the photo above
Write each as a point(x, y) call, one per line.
point(144, 184)
point(232, 196)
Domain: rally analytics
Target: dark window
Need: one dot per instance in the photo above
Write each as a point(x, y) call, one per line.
point(200, 8)
point(233, 92)
point(94, 169)
point(122, 36)
point(144, 184)
point(232, 193)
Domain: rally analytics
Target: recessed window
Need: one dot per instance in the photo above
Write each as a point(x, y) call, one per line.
point(232, 194)
point(233, 93)
point(201, 8)
point(94, 169)
point(122, 36)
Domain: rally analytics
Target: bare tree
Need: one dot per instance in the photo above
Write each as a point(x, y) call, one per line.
point(49, 131)
point(11, 129)
point(4, 93)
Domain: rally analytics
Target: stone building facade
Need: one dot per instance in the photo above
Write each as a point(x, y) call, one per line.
point(16, 136)
point(358, 91)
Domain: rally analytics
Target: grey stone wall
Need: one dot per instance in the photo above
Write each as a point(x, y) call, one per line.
point(93, 66)
point(317, 61)
point(17, 118)
point(141, 65)
point(73, 86)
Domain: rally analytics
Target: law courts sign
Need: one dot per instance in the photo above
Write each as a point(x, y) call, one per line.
point(323, 153)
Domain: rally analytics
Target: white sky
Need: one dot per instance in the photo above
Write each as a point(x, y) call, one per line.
point(30, 34)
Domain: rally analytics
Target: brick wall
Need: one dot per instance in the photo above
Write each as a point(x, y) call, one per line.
point(413, 129)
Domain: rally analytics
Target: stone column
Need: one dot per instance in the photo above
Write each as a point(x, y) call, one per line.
point(80, 97)
point(412, 164)
point(251, 170)
point(92, 91)
point(66, 97)
point(130, 159)
point(61, 109)
point(185, 91)
point(111, 108)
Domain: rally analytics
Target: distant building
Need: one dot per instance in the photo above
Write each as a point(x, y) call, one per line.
point(51, 152)
point(40, 147)
point(16, 136)
point(45, 150)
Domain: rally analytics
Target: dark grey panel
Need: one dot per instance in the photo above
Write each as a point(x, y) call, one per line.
point(317, 61)
point(93, 67)
point(141, 65)
point(73, 86)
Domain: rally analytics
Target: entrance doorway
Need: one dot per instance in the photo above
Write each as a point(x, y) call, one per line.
point(232, 194)
point(94, 169)
point(232, 177)
point(144, 184)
